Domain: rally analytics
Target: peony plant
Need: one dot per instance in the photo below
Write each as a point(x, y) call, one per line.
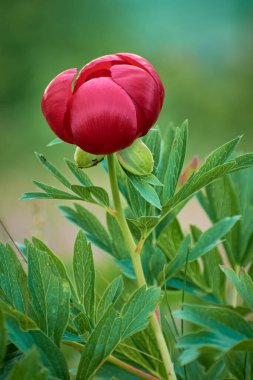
point(132, 330)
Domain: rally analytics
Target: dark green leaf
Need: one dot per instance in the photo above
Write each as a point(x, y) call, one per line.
point(90, 224)
point(84, 274)
point(146, 190)
point(13, 280)
point(50, 355)
point(223, 321)
point(120, 250)
point(29, 367)
point(50, 294)
point(176, 160)
point(3, 337)
point(243, 162)
point(243, 284)
point(210, 238)
point(110, 296)
point(145, 223)
point(92, 194)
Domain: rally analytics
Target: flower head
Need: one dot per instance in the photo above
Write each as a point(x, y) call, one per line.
point(114, 100)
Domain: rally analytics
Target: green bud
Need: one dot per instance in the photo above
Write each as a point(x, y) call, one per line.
point(86, 160)
point(136, 159)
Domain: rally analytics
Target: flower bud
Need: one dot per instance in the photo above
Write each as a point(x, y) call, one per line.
point(86, 160)
point(136, 159)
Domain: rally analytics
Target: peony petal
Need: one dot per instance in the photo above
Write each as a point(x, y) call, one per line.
point(103, 117)
point(97, 67)
point(136, 60)
point(142, 88)
point(54, 103)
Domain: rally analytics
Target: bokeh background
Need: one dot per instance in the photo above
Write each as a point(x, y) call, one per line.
point(203, 51)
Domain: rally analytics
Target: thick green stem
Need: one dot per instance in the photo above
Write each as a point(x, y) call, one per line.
point(136, 260)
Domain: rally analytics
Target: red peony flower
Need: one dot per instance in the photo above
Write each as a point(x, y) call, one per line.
point(115, 99)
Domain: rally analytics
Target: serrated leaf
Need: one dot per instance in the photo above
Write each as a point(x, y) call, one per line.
point(113, 327)
point(84, 273)
point(176, 160)
point(53, 170)
point(145, 190)
point(29, 367)
point(13, 280)
point(50, 295)
point(79, 174)
point(50, 355)
point(3, 337)
point(242, 282)
point(110, 296)
point(223, 321)
point(84, 219)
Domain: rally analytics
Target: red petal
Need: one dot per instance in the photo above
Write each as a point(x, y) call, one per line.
point(103, 117)
point(55, 101)
point(142, 88)
point(139, 61)
point(101, 65)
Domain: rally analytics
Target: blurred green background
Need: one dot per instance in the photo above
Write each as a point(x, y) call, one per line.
point(202, 50)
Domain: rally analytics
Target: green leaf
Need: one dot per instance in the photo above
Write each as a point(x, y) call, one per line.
point(135, 200)
point(29, 367)
point(120, 249)
point(145, 223)
point(84, 274)
point(50, 355)
point(179, 260)
point(153, 141)
point(57, 266)
point(13, 280)
point(136, 311)
point(53, 170)
point(79, 174)
point(170, 237)
point(167, 142)
point(221, 320)
point(110, 296)
point(92, 194)
point(114, 327)
point(242, 282)
point(243, 162)
point(221, 200)
point(50, 294)
point(55, 142)
point(50, 193)
point(145, 190)
point(176, 160)
point(209, 239)
point(152, 180)
point(3, 337)
point(90, 224)
point(219, 156)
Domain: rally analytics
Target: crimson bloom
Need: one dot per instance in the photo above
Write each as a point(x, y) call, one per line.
point(115, 99)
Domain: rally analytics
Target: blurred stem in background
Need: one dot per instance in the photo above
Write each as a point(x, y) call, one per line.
point(136, 260)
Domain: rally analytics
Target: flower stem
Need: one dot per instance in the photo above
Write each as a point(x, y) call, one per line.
point(136, 260)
